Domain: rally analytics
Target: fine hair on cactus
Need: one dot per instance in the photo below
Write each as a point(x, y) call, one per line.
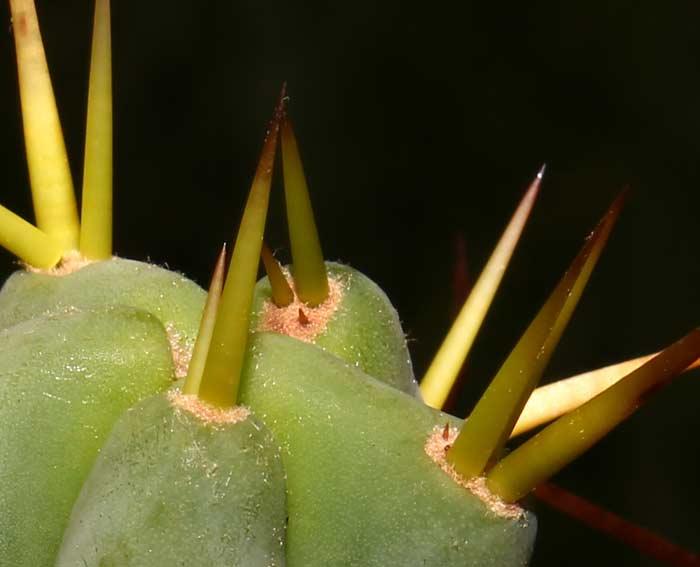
point(295, 419)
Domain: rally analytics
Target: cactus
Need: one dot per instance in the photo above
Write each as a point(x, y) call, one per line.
point(268, 423)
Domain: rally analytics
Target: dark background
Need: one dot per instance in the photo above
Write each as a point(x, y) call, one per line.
point(418, 123)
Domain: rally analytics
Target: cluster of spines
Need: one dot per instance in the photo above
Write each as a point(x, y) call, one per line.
point(479, 446)
point(220, 348)
point(58, 232)
point(593, 403)
point(588, 406)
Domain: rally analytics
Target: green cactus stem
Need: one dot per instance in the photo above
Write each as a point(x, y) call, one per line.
point(27, 295)
point(361, 489)
point(172, 487)
point(183, 451)
point(66, 378)
point(357, 323)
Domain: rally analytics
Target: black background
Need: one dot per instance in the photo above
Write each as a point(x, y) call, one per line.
point(418, 123)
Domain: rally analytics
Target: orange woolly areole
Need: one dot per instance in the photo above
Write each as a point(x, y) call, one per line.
point(436, 446)
point(181, 350)
point(299, 320)
point(209, 414)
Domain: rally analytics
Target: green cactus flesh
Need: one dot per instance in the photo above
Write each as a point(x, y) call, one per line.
point(170, 489)
point(364, 329)
point(173, 299)
point(64, 379)
point(361, 488)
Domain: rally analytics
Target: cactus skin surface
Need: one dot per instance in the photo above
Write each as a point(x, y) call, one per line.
point(168, 489)
point(365, 329)
point(64, 380)
point(76, 351)
point(360, 488)
point(170, 297)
